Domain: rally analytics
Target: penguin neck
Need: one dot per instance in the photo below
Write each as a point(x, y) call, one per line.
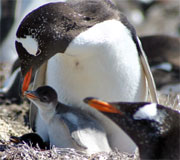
point(100, 64)
point(47, 114)
point(147, 141)
point(149, 144)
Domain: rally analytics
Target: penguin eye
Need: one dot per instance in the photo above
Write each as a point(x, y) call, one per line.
point(44, 99)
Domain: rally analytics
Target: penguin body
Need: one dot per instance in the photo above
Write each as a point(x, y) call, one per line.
point(154, 128)
point(67, 127)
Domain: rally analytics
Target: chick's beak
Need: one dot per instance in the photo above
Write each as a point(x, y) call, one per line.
point(101, 105)
point(31, 95)
point(26, 81)
point(15, 139)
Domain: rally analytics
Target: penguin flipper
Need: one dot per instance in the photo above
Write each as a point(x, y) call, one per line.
point(76, 139)
point(73, 131)
point(148, 73)
point(86, 132)
point(91, 139)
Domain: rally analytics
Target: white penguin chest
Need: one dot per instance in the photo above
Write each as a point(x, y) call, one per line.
point(101, 62)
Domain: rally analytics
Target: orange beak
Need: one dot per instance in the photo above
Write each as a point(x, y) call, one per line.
point(101, 105)
point(27, 80)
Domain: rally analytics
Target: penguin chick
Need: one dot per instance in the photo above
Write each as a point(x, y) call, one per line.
point(68, 127)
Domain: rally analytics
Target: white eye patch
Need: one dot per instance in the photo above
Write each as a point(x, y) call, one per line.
point(30, 44)
point(148, 111)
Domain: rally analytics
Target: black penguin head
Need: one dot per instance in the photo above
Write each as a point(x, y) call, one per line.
point(41, 34)
point(46, 94)
point(44, 97)
point(31, 139)
point(153, 127)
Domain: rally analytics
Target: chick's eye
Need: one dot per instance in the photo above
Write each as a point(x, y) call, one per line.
point(44, 99)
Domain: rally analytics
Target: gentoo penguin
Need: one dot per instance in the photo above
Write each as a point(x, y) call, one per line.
point(91, 48)
point(154, 128)
point(66, 126)
point(32, 139)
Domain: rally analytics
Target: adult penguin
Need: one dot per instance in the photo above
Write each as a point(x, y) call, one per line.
point(94, 49)
point(153, 127)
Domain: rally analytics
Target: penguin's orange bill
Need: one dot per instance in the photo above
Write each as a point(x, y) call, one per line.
point(102, 106)
point(27, 80)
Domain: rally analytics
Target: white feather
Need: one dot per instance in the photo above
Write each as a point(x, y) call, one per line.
point(148, 111)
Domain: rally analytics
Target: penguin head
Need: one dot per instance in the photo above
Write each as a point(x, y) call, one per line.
point(40, 35)
point(43, 33)
point(44, 97)
point(32, 139)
